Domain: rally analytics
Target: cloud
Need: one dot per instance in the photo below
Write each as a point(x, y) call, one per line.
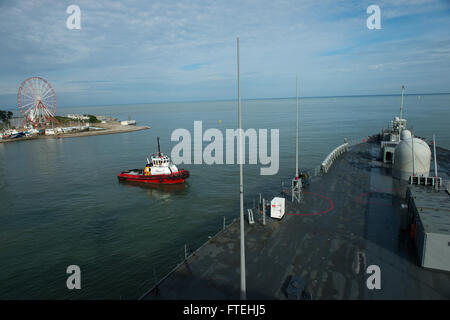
point(194, 66)
point(144, 51)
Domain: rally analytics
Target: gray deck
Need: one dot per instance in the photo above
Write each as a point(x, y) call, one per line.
point(330, 250)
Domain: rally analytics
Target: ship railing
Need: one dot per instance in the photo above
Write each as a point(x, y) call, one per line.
point(187, 256)
point(329, 160)
point(318, 170)
point(425, 181)
point(356, 141)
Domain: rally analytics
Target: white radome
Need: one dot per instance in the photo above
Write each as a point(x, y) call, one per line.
point(406, 134)
point(403, 163)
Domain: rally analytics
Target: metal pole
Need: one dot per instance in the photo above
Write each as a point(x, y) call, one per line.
point(435, 158)
point(296, 145)
point(413, 156)
point(224, 223)
point(259, 204)
point(159, 149)
point(435, 165)
point(264, 211)
point(241, 184)
point(185, 252)
point(401, 106)
point(401, 114)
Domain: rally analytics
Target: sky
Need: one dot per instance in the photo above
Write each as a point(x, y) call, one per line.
point(161, 51)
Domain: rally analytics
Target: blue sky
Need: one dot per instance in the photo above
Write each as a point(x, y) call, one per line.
point(157, 51)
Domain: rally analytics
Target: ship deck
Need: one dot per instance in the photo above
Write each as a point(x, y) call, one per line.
point(349, 219)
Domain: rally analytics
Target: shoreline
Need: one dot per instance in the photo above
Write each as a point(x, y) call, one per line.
point(108, 129)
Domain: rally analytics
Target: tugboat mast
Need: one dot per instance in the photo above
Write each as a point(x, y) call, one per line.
point(159, 149)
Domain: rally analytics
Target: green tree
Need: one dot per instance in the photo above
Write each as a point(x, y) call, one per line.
point(93, 119)
point(5, 116)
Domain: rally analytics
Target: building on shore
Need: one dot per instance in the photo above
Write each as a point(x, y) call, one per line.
point(106, 118)
point(77, 117)
point(128, 122)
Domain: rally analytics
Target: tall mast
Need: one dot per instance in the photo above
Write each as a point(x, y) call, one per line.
point(435, 158)
point(401, 114)
point(401, 106)
point(159, 149)
point(296, 182)
point(296, 146)
point(413, 156)
point(436, 182)
point(241, 184)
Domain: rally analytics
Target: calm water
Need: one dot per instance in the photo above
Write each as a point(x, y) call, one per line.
point(61, 203)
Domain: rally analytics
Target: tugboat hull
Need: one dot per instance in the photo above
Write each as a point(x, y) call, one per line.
point(137, 175)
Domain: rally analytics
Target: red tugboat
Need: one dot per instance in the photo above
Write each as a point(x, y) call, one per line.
point(159, 171)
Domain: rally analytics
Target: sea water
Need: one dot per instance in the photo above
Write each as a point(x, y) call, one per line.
point(61, 203)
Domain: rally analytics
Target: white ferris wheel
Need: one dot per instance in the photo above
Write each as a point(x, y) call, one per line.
point(37, 102)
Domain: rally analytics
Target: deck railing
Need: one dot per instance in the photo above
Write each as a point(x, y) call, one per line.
point(329, 160)
point(187, 257)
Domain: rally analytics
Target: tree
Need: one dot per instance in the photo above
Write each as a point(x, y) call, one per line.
point(93, 119)
point(5, 116)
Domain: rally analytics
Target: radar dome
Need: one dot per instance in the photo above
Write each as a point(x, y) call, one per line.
point(406, 134)
point(403, 157)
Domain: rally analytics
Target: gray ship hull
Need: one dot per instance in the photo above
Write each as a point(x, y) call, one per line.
point(350, 218)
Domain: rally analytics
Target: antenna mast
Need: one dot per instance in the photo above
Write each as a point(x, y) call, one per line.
point(159, 149)
point(401, 114)
point(436, 182)
point(296, 182)
point(413, 156)
point(296, 146)
point(241, 184)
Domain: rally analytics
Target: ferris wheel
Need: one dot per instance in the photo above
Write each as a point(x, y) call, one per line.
point(37, 101)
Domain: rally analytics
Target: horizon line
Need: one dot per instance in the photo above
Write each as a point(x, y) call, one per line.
point(249, 99)
point(272, 98)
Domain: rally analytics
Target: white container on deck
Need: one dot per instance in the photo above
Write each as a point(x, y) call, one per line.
point(277, 208)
